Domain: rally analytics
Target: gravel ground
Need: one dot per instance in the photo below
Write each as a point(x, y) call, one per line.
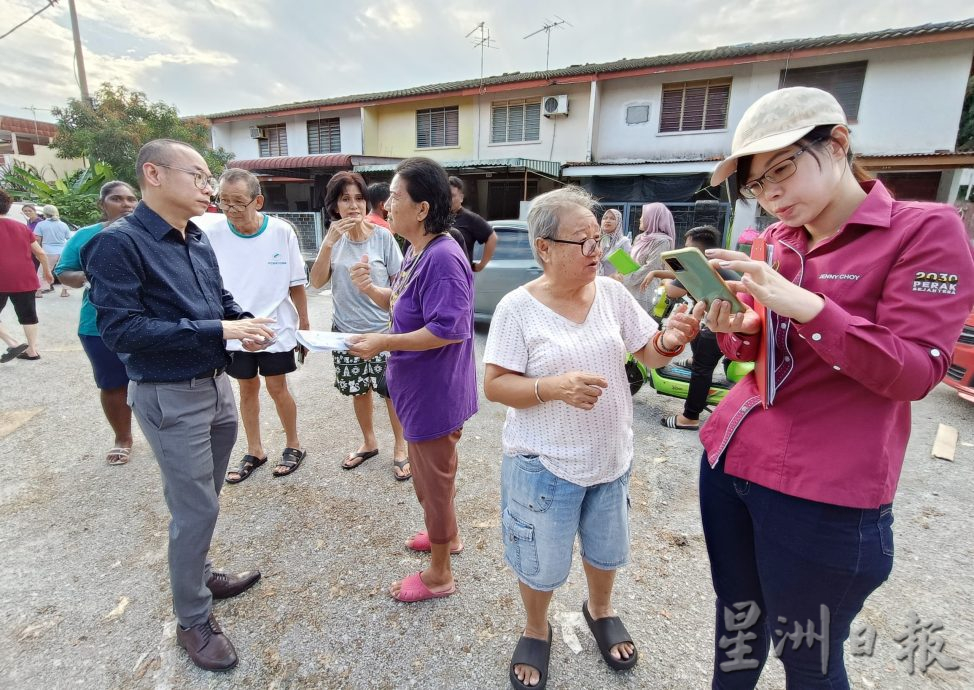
point(85, 599)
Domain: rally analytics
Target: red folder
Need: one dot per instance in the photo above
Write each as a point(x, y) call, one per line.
point(764, 364)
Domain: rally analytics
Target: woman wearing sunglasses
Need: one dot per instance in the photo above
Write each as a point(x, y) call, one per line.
point(555, 356)
point(866, 297)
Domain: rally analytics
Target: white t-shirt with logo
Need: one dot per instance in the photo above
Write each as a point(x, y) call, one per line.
point(585, 447)
point(259, 270)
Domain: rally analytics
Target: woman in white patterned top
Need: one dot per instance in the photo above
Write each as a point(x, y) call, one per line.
point(555, 355)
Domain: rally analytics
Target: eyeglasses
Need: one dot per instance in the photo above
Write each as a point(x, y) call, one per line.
point(778, 173)
point(589, 245)
point(234, 208)
point(200, 179)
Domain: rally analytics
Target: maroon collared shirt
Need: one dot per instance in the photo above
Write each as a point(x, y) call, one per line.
point(898, 283)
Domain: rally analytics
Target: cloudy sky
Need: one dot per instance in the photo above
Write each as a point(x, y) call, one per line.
point(206, 56)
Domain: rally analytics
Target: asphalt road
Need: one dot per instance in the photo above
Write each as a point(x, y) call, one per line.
point(84, 597)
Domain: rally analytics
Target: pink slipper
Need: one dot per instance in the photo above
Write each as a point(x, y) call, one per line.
point(413, 589)
point(421, 542)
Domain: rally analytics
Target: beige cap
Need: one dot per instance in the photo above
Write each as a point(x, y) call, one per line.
point(779, 119)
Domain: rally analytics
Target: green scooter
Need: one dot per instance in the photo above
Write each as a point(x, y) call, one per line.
point(674, 378)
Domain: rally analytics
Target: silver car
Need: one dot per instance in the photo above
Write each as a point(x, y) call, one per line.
point(512, 265)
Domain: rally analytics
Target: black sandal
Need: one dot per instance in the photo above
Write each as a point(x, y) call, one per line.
point(290, 461)
point(608, 632)
point(401, 466)
point(245, 468)
point(358, 458)
point(534, 653)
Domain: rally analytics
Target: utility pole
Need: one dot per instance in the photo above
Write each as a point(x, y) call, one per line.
point(79, 55)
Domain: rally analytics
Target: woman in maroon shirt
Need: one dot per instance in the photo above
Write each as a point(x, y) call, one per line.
point(18, 279)
point(865, 296)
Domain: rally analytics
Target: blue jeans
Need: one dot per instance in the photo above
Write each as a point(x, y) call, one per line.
point(541, 514)
point(779, 562)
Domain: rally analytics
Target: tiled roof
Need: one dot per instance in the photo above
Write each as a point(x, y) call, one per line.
point(739, 51)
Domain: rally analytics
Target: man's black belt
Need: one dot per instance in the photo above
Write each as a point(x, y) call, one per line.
point(211, 373)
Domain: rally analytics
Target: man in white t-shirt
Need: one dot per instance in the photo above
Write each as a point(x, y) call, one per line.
point(262, 267)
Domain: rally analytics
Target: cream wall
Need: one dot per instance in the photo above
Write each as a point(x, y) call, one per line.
point(390, 129)
point(47, 162)
point(235, 136)
point(561, 138)
point(911, 103)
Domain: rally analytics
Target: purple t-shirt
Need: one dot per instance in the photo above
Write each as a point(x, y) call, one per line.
point(435, 391)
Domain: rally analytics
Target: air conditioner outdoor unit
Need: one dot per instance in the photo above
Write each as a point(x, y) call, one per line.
point(257, 133)
point(554, 106)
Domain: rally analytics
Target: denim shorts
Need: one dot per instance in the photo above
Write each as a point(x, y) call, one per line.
point(542, 513)
point(105, 364)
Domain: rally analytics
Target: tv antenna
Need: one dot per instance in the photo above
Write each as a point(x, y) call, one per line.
point(483, 42)
point(548, 26)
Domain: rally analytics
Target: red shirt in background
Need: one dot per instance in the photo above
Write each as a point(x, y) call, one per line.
point(17, 272)
point(378, 220)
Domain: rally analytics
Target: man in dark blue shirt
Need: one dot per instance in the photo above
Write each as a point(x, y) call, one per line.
point(156, 287)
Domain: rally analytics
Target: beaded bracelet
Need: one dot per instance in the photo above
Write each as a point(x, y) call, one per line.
point(537, 382)
point(658, 346)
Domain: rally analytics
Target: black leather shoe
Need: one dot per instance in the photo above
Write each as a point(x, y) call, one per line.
point(225, 585)
point(207, 646)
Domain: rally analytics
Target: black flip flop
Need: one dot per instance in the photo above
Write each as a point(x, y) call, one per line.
point(360, 457)
point(290, 460)
point(671, 423)
point(401, 465)
point(13, 352)
point(534, 653)
point(608, 632)
point(247, 465)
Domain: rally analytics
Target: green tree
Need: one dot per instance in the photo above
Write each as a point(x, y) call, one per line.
point(965, 135)
point(119, 122)
point(75, 194)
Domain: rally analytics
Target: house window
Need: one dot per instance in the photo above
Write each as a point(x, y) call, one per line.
point(512, 121)
point(438, 127)
point(844, 81)
point(695, 106)
point(274, 142)
point(324, 136)
point(637, 114)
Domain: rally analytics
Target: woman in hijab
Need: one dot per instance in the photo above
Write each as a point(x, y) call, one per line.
point(611, 226)
point(657, 234)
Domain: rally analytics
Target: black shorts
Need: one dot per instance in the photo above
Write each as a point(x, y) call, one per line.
point(246, 365)
point(25, 306)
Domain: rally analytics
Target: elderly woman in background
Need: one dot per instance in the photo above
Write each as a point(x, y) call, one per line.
point(612, 228)
point(53, 233)
point(431, 375)
point(657, 234)
point(350, 236)
point(555, 356)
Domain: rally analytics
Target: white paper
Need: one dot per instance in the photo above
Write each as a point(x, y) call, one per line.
point(323, 341)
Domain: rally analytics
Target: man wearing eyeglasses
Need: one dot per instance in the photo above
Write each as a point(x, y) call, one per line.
point(262, 266)
point(161, 305)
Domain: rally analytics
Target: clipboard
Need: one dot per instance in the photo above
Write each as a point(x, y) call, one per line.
point(764, 365)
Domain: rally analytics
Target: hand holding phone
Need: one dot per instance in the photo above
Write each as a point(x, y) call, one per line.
point(699, 277)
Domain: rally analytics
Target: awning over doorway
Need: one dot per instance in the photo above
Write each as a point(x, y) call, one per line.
point(473, 167)
point(307, 167)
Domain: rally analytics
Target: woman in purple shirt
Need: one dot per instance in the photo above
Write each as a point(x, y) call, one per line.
point(866, 296)
point(430, 374)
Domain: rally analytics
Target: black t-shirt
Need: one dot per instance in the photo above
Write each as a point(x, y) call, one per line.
point(473, 228)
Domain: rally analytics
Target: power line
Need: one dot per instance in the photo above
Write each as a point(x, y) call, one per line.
point(49, 5)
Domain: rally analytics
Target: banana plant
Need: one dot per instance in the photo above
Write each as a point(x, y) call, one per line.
point(75, 193)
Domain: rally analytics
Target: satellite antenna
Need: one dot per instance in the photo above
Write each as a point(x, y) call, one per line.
point(548, 26)
point(484, 42)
